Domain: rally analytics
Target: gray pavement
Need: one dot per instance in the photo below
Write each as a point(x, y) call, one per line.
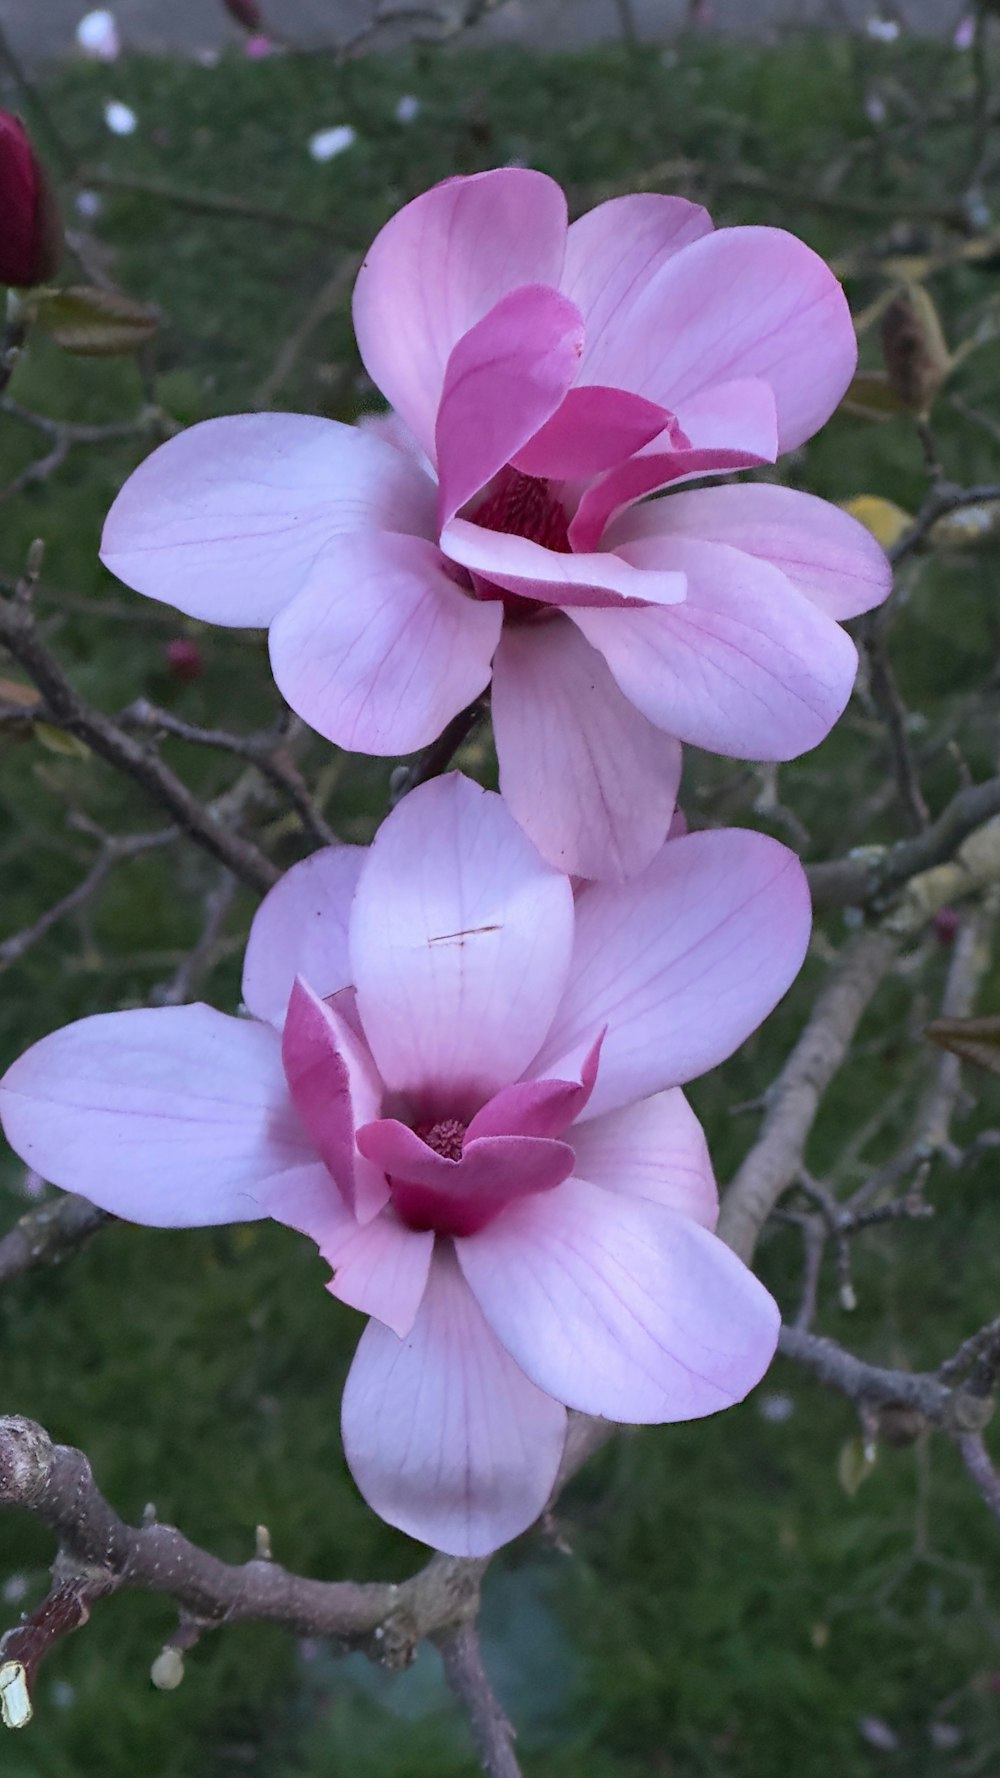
point(38, 29)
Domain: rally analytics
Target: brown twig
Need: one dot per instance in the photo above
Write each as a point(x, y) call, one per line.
point(491, 1732)
point(49, 1234)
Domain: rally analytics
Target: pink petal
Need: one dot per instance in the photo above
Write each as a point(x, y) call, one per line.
point(590, 780)
point(458, 1197)
point(460, 943)
point(226, 520)
point(736, 416)
point(334, 1087)
point(538, 1107)
point(746, 666)
point(825, 553)
point(445, 1436)
point(503, 380)
point(300, 928)
point(681, 963)
point(175, 1116)
point(742, 302)
point(613, 253)
point(654, 1150)
point(381, 1268)
point(521, 566)
point(439, 266)
point(380, 649)
point(619, 1307)
point(592, 431)
point(745, 411)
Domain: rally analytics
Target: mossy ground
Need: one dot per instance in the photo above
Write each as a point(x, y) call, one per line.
point(728, 1611)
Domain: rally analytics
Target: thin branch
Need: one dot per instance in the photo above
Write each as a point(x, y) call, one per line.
point(436, 758)
point(971, 1447)
point(114, 849)
point(49, 1234)
point(871, 878)
point(491, 1732)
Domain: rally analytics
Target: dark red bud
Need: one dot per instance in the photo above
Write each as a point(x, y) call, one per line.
point(30, 233)
point(183, 658)
point(946, 923)
point(246, 13)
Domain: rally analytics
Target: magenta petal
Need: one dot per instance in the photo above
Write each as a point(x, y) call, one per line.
point(445, 1436)
point(380, 649)
point(681, 963)
point(591, 781)
point(619, 1307)
point(460, 943)
point(458, 1197)
point(439, 266)
point(538, 1107)
point(522, 566)
point(593, 430)
point(612, 253)
point(175, 1116)
point(226, 520)
point(335, 1087)
point(504, 379)
point(300, 928)
point(746, 666)
point(655, 1149)
point(825, 553)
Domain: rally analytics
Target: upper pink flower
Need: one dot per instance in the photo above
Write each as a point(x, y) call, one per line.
point(464, 1086)
point(545, 379)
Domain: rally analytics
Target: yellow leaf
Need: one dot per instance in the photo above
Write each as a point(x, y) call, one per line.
point(886, 521)
point(56, 740)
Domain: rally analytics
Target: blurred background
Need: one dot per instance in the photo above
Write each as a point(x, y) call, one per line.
point(742, 1599)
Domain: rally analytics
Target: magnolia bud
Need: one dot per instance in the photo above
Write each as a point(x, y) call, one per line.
point(30, 236)
point(917, 359)
point(246, 13)
point(183, 658)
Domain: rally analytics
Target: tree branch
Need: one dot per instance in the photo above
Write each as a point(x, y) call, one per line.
point(467, 1677)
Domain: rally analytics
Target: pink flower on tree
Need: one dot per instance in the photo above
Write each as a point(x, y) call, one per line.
point(465, 1087)
point(544, 380)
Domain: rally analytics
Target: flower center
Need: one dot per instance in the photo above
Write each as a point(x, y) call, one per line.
point(521, 506)
point(445, 1138)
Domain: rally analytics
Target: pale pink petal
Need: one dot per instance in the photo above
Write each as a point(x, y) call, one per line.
point(380, 649)
point(460, 944)
point(226, 520)
point(619, 1307)
point(300, 928)
point(681, 963)
point(439, 266)
point(825, 553)
point(334, 1087)
point(380, 1267)
point(445, 1436)
point(456, 1197)
point(591, 781)
point(736, 416)
point(613, 252)
point(504, 379)
point(746, 666)
point(502, 559)
point(539, 1107)
point(593, 430)
point(655, 1150)
point(175, 1116)
point(741, 302)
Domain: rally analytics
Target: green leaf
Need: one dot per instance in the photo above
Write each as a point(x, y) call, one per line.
point(57, 740)
point(871, 397)
point(855, 1462)
point(94, 323)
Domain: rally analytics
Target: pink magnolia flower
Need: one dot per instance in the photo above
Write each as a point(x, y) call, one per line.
point(465, 1087)
point(544, 380)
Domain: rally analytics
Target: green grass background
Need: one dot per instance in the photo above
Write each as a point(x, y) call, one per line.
point(727, 1611)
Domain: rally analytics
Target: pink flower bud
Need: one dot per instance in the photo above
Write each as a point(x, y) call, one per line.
point(30, 238)
point(246, 13)
point(184, 659)
point(946, 923)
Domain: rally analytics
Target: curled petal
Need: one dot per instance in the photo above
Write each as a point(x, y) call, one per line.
point(520, 565)
point(334, 1087)
point(593, 430)
point(445, 1436)
point(456, 1197)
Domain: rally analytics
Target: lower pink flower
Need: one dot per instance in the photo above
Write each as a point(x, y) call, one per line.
point(544, 379)
point(464, 1085)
